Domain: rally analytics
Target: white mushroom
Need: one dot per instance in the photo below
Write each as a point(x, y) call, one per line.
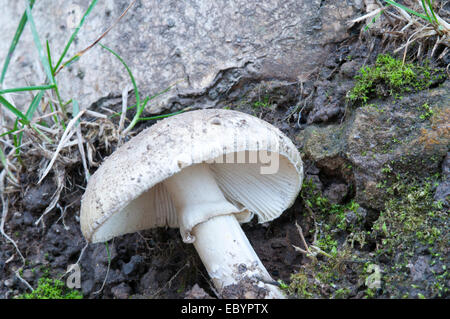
point(205, 172)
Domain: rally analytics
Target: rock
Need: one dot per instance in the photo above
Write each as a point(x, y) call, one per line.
point(115, 276)
point(208, 50)
point(419, 269)
point(9, 282)
point(87, 286)
point(28, 219)
point(38, 197)
point(356, 217)
point(121, 291)
point(446, 166)
point(133, 266)
point(28, 275)
point(351, 217)
point(361, 213)
point(100, 254)
point(350, 68)
point(374, 144)
point(149, 281)
point(197, 293)
point(336, 192)
point(442, 193)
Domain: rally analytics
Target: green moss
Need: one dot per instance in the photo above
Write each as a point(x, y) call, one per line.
point(391, 77)
point(336, 214)
point(300, 286)
point(264, 103)
point(426, 110)
point(412, 225)
point(52, 289)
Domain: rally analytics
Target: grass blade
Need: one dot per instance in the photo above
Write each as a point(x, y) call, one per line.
point(139, 107)
point(14, 42)
point(38, 44)
point(430, 7)
point(30, 112)
point(28, 88)
point(49, 56)
point(34, 104)
point(136, 91)
point(157, 117)
point(407, 9)
point(11, 107)
point(75, 110)
point(74, 34)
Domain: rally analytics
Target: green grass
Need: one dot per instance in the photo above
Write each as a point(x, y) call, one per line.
point(14, 42)
point(24, 116)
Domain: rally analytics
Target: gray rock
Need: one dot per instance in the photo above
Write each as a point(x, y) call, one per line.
point(38, 197)
point(133, 266)
point(370, 140)
point(100, 254)
point(87, 286)
point(28, 275)
point(362, 213)
point(336, 192)
point(197, 293)
point(442, 193)
point(443, 190)
point(203, 48)
point(446, 166)
point(148, 280)
point(350, 68)
point(419, 269)
point(121, 291)
point(9, 282)
point(27, 218)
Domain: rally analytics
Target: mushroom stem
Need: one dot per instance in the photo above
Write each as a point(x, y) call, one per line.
point(208, 220)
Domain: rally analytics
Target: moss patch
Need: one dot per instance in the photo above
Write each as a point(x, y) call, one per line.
point(403, 254)
point(52, 289)
point(392, 77)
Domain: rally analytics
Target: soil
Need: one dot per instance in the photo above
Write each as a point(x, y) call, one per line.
point(156, 263)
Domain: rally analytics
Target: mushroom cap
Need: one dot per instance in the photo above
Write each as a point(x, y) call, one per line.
point(126, 194)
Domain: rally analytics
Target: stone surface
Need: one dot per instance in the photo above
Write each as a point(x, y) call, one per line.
point(121, 291)
point(378, 141)
point(443, 190)
point(197, 293)
point(208, 50)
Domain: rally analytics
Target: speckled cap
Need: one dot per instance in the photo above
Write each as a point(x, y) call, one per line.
point(256, 166)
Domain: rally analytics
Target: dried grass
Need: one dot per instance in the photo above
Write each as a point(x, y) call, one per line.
point(407, 32)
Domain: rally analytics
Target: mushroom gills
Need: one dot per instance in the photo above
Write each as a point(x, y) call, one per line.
point(211, 223)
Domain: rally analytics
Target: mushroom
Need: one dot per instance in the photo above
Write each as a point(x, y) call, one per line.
point(205, 172)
